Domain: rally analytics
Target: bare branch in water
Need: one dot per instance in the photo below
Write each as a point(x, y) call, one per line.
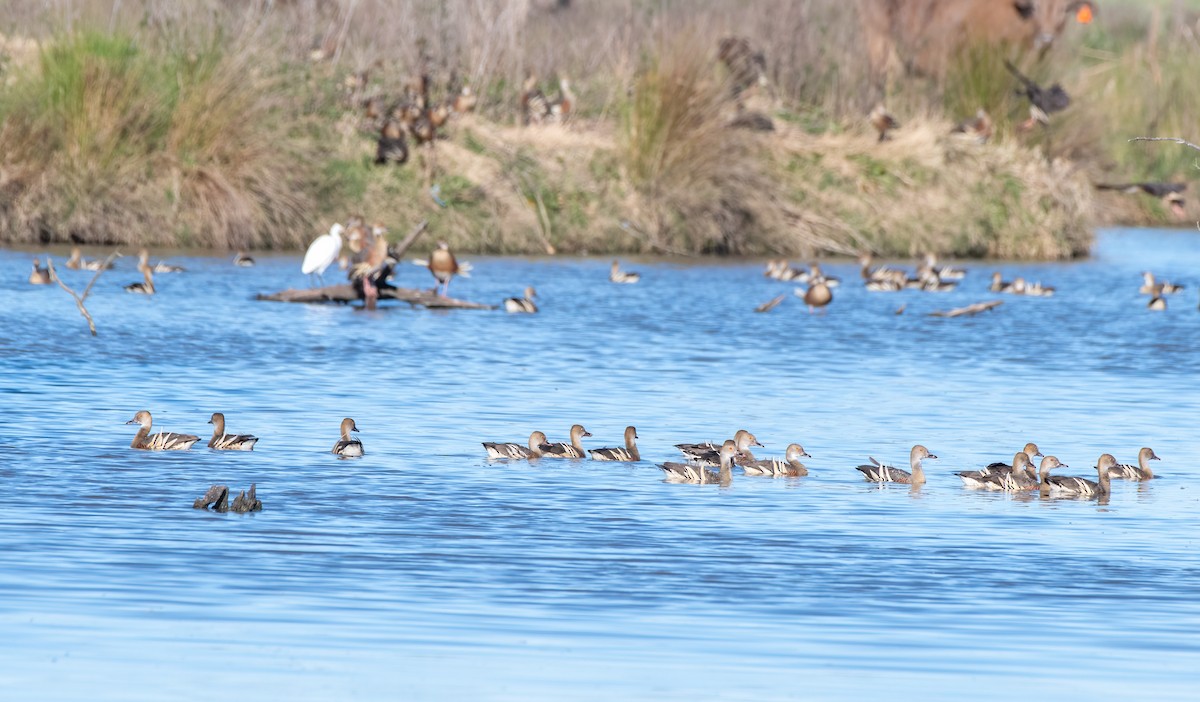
point(1177, 140)
point(80, 298)
point(969, 310)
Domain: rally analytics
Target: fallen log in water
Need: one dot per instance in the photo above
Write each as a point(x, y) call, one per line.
point(345, 293)
point(969, 310)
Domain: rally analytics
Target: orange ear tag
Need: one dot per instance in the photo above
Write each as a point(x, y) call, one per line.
point(1084, 15)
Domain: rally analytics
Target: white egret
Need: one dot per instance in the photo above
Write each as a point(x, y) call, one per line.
point(323, 252)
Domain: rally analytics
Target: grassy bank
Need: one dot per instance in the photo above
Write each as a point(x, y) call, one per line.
point(145, 123)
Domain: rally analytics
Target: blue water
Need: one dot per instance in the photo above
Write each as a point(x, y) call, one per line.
point(423, 571)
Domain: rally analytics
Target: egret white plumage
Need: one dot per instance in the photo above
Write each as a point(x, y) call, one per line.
point(323, 252)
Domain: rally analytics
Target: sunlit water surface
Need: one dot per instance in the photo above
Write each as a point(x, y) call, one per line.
point(423, 571)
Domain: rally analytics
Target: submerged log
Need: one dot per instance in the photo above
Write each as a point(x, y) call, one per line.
point(969, 310)
point(345, 293)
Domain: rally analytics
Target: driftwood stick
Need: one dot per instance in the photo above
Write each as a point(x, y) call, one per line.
point(1177, 140)
point(54, 276)
point(346, 293)
point(969, 310)
point(403, 246)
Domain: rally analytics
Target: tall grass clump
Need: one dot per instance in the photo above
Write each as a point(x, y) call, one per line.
point(111, 139)
point(703, 185)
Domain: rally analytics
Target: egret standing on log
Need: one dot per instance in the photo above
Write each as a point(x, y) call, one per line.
point(323, 252)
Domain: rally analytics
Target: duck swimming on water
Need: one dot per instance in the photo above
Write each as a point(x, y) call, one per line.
point(790, 467)
point(629, 453)
point(708, 454)
point(522, 305)
point(511, 450)
point(39, 275)
point(162, 441)
point(221, 441)
point(1141, 471)
point(1072, 486)
point(572, 450)
point(880, 473)
point(698, 474)
point(977, 479)
point(347, 445)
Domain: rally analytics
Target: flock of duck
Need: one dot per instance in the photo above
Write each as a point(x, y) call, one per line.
point(1018, 475)
point(929, 276)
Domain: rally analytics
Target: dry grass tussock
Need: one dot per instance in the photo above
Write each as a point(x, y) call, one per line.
point(113, 141)
point(926, 190)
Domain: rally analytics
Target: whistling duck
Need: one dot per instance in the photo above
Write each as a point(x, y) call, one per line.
point(391, 147)
point(999, 467)
point(1152, 287)
point(1171, 194)
point(228, 442)
point(534, 107)
point(1020, 481)
point(443, 266)
point(783, 271)
point(816, 275)
point(572, 450)
point(706, 454)
point(790, 467)
point(465, 101)
point(348, 445)
point(562, 108)
point(978, 127)
point(1141, 471)
point(999, 284)
point(162, 441)
point(1079, 487)
point(629, 453)
point(39, 275)
point(510, 450)
point(817, 295)
point(78, 262)
point(616, 275)
point(943, 272)
point(322, 252)
point(976, 479)
point(521, 305)
point(882, 121)
point(1043, 102)
point(695, 473)
point(242, 260)
point(880, 473)
point(146, 287)
point(160, 267)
